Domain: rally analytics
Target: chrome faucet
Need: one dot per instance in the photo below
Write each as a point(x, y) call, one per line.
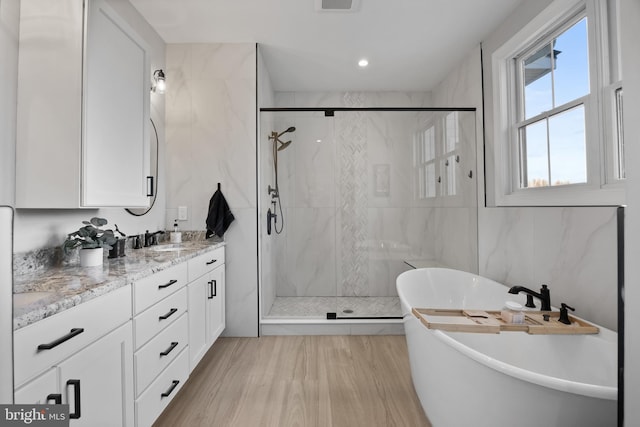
point(544, 296)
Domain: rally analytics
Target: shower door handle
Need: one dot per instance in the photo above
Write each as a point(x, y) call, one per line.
point(268, 222)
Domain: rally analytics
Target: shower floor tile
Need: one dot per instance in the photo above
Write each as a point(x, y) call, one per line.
point(318, 307)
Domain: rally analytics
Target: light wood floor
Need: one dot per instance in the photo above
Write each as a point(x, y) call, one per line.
point(330, 381)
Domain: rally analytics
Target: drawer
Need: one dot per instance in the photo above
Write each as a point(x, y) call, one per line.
point(158, 353)
point(89, 321)
point(152, 289)
point(151, 321)
point(161, 391)
point(204, 263)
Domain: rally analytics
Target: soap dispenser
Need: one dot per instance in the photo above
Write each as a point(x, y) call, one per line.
point(175, 236)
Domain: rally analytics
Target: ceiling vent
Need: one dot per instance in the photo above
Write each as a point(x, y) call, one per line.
point(337, 5)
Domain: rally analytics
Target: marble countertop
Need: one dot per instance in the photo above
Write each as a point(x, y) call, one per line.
point(44, 293)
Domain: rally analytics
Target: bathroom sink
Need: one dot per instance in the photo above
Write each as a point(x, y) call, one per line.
point(27, 298)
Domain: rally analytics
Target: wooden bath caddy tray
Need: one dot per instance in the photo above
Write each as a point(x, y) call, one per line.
point(490, 322)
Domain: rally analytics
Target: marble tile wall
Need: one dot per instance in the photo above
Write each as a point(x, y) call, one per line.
point(211, 131)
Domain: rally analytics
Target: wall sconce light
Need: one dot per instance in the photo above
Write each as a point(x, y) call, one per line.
point(159, 83)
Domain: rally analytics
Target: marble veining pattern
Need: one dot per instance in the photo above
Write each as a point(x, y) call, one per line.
point(68, 286)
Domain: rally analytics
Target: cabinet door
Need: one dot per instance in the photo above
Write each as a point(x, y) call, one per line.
point(97, 382)
point(198, 342)
point(115, 144)
point(48, 128)
point(215, 304)
point(40, 391)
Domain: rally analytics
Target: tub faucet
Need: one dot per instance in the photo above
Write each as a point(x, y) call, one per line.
point(543, 296)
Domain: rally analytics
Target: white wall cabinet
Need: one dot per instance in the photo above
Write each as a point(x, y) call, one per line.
point(83, 124)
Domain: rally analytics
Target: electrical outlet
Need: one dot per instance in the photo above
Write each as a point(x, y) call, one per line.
point(182, 213)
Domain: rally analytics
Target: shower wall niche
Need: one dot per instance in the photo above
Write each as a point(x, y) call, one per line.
point(365, 194)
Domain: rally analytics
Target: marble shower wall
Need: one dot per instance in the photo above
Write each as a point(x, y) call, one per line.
point(352, 216)
point(211, 138)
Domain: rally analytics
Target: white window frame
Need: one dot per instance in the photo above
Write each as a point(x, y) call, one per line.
point(601, 188)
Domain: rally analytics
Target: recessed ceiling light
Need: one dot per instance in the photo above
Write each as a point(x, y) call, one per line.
point(363, 63)
point(318, 140)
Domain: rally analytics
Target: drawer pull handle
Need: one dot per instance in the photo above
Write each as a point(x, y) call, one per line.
point(169, 283)
point(72, 333)
point(56, 397)
point(213, 289)
point(174, 384)
point(170, 349)
point(76, 398)
point(169, 314)
point(212, 261)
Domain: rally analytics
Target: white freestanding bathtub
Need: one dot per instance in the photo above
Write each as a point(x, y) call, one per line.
point(506, 379)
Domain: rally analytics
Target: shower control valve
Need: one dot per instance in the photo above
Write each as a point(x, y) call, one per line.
point(272, 191)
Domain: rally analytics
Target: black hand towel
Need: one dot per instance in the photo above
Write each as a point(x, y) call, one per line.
point(220, 216)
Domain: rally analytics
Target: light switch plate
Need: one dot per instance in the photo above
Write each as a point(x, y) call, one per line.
point(182, 213)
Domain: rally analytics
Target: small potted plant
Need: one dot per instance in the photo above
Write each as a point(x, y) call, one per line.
point(92, 240)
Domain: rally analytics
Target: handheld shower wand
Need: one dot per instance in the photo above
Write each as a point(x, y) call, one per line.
point(275, 192)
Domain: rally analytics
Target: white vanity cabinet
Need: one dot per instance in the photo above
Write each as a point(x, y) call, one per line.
point(83, 107)
point(206, 303)
point(161, 340)
point(82, 357)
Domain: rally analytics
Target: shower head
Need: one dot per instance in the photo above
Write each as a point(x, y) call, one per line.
point(283, 145)
point(290, 129)
point(276, 138)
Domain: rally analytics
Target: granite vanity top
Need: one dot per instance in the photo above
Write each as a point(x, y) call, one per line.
point(44, 293)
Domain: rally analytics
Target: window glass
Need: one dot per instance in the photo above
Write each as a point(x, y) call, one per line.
point(558, 72)
point(571, 71)
point(538, 93)
point(535, 157)
point(567, 147)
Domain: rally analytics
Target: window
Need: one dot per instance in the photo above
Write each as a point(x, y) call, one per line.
point(553, 83)
point(425, 155)
point(436, 157)
point(551, 143)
